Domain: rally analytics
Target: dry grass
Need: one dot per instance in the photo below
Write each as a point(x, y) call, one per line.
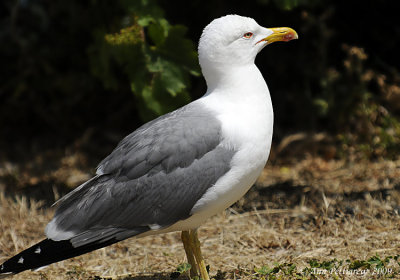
point(312, 209)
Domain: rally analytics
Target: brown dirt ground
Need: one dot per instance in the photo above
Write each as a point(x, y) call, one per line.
point(306, 209)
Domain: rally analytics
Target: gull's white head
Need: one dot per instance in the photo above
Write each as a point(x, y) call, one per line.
point(234, 40)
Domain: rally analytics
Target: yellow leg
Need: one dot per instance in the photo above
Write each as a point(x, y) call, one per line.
point(197, 254)
point(186, 240)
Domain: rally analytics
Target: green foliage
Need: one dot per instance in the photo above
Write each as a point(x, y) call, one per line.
point(128, 36)
point(156, 58)
point(264, 270)
point(183, 267)
point(278, 271)
point(324, 265)
point(373, 262)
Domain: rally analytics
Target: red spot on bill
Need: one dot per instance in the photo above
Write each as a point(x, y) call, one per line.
point(288, 37)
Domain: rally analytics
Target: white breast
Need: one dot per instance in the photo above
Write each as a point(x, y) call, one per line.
point(247, 126)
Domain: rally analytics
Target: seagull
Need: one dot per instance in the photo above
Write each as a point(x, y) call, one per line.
point(174, 172)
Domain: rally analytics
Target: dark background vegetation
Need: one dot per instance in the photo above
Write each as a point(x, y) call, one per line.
point(85, 73)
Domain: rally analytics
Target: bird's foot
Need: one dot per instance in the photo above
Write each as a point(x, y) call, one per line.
point(191, 244)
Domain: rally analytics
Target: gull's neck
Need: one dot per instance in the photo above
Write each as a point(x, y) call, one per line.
point(240, 92)
point(240, 99)
point(246, 81)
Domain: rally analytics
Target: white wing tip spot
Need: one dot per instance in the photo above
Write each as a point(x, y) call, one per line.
point(21, 260)
point(154, 226)
point(38, 250)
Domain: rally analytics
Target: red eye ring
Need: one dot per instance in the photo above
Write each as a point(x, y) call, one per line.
point(247, 35)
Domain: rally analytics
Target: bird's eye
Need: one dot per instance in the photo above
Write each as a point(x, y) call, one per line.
point(247, 35)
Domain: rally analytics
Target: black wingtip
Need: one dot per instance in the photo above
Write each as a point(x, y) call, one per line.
point(44, 253)
point(40, 254)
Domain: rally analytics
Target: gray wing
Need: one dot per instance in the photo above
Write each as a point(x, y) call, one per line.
point(151, 180)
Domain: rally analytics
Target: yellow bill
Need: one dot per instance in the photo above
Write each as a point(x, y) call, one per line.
point(283, 34)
